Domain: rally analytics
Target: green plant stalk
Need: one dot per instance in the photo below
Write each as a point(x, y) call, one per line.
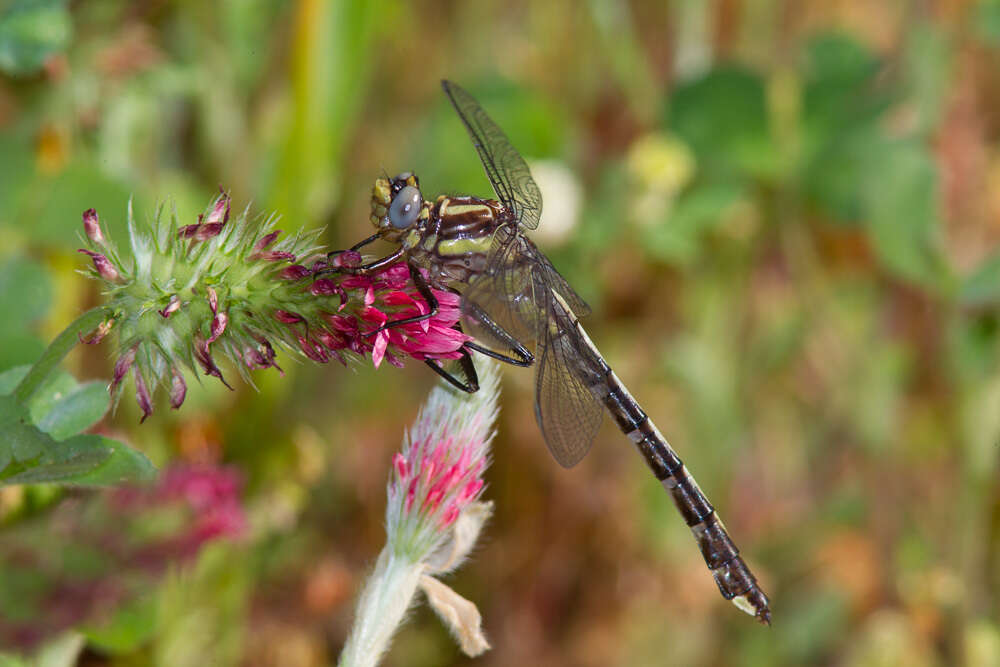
point(57, 351)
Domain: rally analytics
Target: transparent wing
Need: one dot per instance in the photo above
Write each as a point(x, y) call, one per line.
point(567, 411)
point(506, 169)
point(500, 303)
point(514, 299)
point(513, 293)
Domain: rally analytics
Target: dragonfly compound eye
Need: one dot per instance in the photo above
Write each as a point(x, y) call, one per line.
point(405, 207)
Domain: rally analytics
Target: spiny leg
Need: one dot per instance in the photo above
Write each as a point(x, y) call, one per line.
point(523, 359)
point(425, 291)
point(354, 248)
point(471, 384)
point(364, 269)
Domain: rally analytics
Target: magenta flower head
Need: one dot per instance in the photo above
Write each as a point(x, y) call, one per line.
point(433, 519)
point(438, 473)
point(228, 286)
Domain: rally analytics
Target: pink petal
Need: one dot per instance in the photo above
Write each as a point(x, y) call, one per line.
point(272, 256)
point(220, 212)
point(178, 389)
point(324, 287)
point(348, 258)
point(123, 365)
point(98, 334)
point(204, 357)
point(312, 349)
point(92, 226)
point(450, 515)
point(400, 464)
point(172, 307)
point(219, 323)
point(294, 272)
point(286, 317)
point(378, 349)
point(470, 490)
point(142, 397)
point(213, 300)
point(266, 240)
point(200, 231)
point(103, 265)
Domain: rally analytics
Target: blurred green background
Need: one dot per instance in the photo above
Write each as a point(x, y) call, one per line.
point(785, 214)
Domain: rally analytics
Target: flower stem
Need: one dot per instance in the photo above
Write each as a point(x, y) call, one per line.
point(56, 351)
point(383, 603)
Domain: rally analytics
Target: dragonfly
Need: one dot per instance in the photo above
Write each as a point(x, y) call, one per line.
point(520, 310)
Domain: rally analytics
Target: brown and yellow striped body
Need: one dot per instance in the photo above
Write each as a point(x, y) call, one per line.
point(456, 238)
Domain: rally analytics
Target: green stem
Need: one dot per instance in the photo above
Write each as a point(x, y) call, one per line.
point(57, 351)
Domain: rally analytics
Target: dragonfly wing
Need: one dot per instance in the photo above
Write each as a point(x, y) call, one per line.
point(567, 411)
point(504, 296)
point(521, 294)
point(508, 172)
point(553, 280)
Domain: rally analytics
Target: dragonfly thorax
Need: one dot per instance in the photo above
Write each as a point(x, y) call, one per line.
point(449, 237)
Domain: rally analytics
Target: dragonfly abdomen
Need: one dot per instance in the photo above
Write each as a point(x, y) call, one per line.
point(735, 580)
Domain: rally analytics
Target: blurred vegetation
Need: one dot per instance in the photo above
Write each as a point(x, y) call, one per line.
point(785, 213)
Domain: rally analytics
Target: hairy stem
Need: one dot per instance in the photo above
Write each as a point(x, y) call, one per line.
point(383, 603)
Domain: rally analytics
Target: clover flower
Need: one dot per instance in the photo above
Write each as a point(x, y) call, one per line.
point(229, 286)
point(433, 518)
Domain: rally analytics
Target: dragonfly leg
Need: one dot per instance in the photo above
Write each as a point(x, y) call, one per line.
point(471, 384)
point(523, 357)
point(354, 248)
point(365, 269)
point(425, 291)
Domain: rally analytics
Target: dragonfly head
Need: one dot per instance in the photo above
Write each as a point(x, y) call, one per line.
point(397, 206)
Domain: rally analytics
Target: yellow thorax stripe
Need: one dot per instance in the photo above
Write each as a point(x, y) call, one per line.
point(448, 208)
point(451, 247)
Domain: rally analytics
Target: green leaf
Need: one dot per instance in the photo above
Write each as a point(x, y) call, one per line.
point(723, 117)
point(27, 455)
point(30, 32)
point(124, 465)
point(30, 456)
point(840, 133)
point(901, 199)
point(62, 406)
point(56, 352)
point(74, 410)
point(983, 285)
